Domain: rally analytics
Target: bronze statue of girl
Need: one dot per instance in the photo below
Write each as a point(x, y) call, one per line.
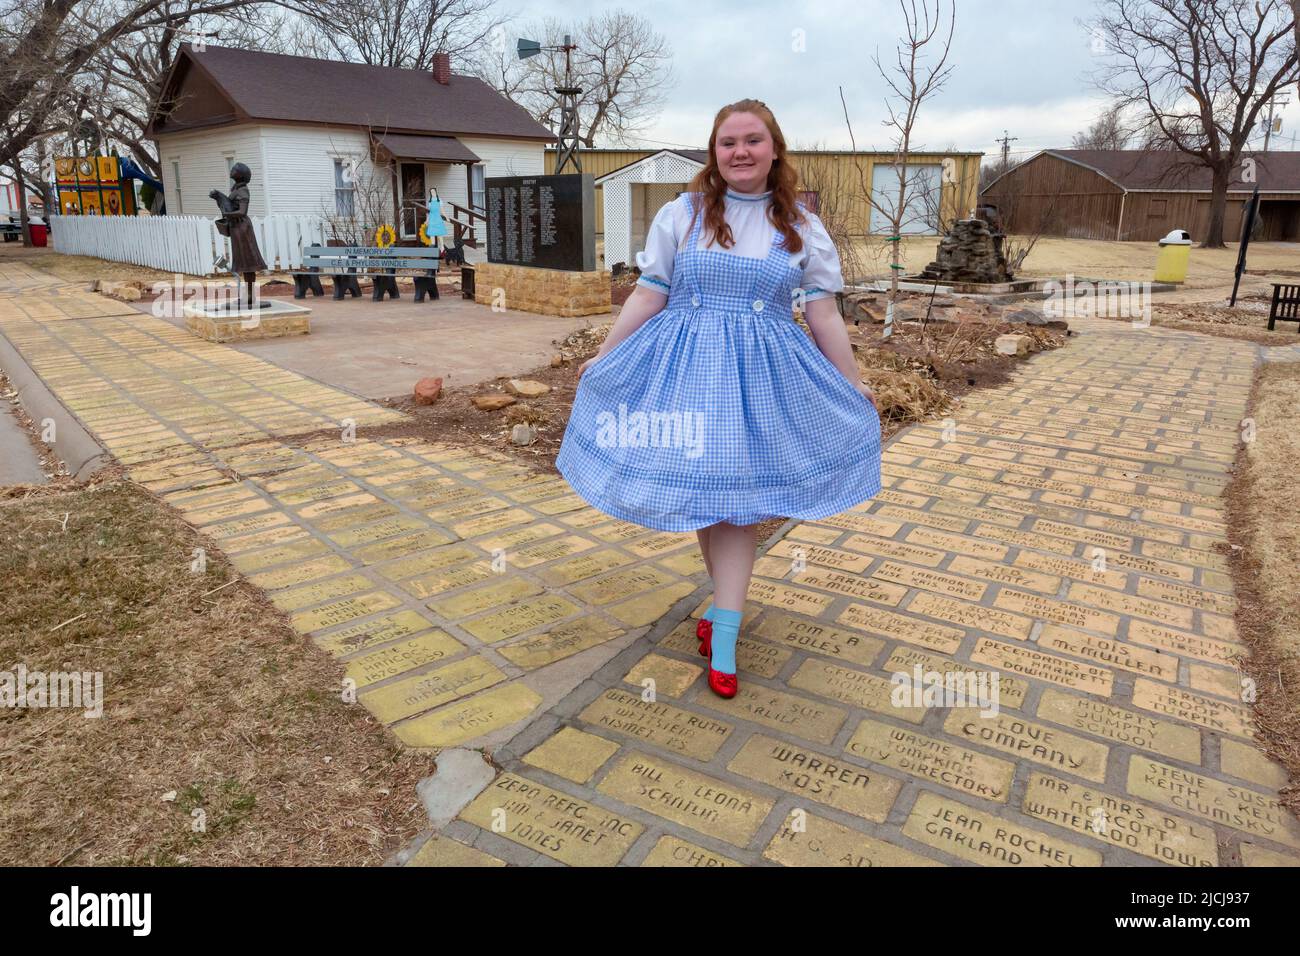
point(245, 257)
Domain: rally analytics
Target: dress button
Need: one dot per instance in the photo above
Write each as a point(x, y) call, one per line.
point(758, 305)
point(695, 300)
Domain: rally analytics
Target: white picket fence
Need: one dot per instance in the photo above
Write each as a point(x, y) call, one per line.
point(186, 244)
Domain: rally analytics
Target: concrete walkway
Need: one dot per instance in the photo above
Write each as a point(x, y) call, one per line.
point(1063, 531)
point(18, 462)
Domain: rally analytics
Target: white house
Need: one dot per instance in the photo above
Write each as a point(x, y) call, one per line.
point(333, 139)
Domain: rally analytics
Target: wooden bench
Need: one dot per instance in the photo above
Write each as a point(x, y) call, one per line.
point(1286, 304)
point(346, 264)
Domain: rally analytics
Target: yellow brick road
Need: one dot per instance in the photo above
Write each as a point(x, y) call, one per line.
point(1063, 532)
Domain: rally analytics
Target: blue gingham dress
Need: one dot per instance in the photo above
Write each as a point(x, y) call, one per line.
point(720, 407)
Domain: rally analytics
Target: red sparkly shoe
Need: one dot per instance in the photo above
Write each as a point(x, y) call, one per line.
point(724, 685)
point(704, 631)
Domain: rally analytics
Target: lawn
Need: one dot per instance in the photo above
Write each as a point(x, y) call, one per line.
point(224, 737)
point(1266, 525)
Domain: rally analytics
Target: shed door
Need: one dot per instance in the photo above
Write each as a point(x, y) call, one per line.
point(923, 184)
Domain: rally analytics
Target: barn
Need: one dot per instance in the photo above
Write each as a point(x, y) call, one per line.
point(1126, 194)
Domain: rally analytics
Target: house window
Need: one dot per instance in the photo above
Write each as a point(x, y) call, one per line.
point(176, 179)
point(479, 184)
point(345, 188)
point(1157, 207)
point(230, 161)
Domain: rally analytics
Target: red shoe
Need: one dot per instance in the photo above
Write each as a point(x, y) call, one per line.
point(724, 685)
point(704, 631)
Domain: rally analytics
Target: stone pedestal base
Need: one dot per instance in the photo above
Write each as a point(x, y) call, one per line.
point(545, 291)
point(241, 325)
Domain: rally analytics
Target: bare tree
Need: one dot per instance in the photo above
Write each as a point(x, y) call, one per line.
point(400, 33)
point(123, 83)
point(46, 45)
point(1109, 131)
point(1201, 71)
point(920, 69)
point(621, 64)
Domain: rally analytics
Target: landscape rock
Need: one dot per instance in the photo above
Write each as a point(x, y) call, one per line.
point(523, 434)
point(1013, 344)
point(427, 390)
point(492, 402)
point(527, 387)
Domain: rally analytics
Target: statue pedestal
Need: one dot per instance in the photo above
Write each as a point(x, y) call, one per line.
point(216, 323)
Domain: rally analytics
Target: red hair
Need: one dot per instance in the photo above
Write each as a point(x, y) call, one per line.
point(783, 210)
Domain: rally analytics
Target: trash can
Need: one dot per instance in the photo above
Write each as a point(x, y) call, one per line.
point(1175, 251)
point(38, 233)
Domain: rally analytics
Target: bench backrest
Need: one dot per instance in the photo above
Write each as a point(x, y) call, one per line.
point(370, 257)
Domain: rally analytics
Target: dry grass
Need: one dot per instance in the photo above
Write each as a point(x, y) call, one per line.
point(1247, 324)
point(208, 693)
point(80, 268)
point(1095, 258)
point(1265, 525)
point(905, 393)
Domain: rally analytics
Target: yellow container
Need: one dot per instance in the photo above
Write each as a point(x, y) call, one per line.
point(1175, 253)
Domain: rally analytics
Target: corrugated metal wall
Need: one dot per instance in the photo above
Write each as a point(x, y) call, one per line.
point(825, 171)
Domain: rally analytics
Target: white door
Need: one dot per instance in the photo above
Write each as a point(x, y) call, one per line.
point(922, 188)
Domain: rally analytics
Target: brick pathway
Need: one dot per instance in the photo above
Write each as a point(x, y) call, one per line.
point(1060, 531)
point(459, 587)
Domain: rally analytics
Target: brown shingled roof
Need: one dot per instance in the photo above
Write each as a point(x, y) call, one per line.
point(1158, 169)
point(272, 86)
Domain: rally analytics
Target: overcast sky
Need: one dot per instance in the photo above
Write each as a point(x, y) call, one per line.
point(1019, 65)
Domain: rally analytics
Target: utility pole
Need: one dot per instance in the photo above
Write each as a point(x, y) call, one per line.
point(1282, 99)
point(1006, 142)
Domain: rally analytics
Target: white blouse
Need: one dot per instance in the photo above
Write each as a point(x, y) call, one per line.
point(752, 232)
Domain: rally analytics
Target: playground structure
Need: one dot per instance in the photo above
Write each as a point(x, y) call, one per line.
point(98, 185)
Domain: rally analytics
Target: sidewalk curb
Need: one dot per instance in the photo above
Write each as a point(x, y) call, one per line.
point(83, 455)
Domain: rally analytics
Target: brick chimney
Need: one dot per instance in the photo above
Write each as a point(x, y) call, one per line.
point(442, 68)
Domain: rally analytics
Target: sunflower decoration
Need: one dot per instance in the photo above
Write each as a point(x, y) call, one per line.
point(424, 234)
point(385, 236)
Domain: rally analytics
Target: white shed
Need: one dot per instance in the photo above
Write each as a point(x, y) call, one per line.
point(635, 192)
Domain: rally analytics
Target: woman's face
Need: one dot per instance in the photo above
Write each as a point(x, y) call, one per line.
point(744, 151)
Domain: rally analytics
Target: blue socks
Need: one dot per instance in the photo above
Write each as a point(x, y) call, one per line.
point(726, 628)
point(708, 615)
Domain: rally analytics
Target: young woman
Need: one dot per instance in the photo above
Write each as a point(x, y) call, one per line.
point(708, 408)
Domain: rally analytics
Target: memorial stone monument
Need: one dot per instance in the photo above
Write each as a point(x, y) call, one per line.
point(541, 246)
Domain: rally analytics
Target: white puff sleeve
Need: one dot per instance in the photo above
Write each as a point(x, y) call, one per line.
point(656, 261)
point(820, 263)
